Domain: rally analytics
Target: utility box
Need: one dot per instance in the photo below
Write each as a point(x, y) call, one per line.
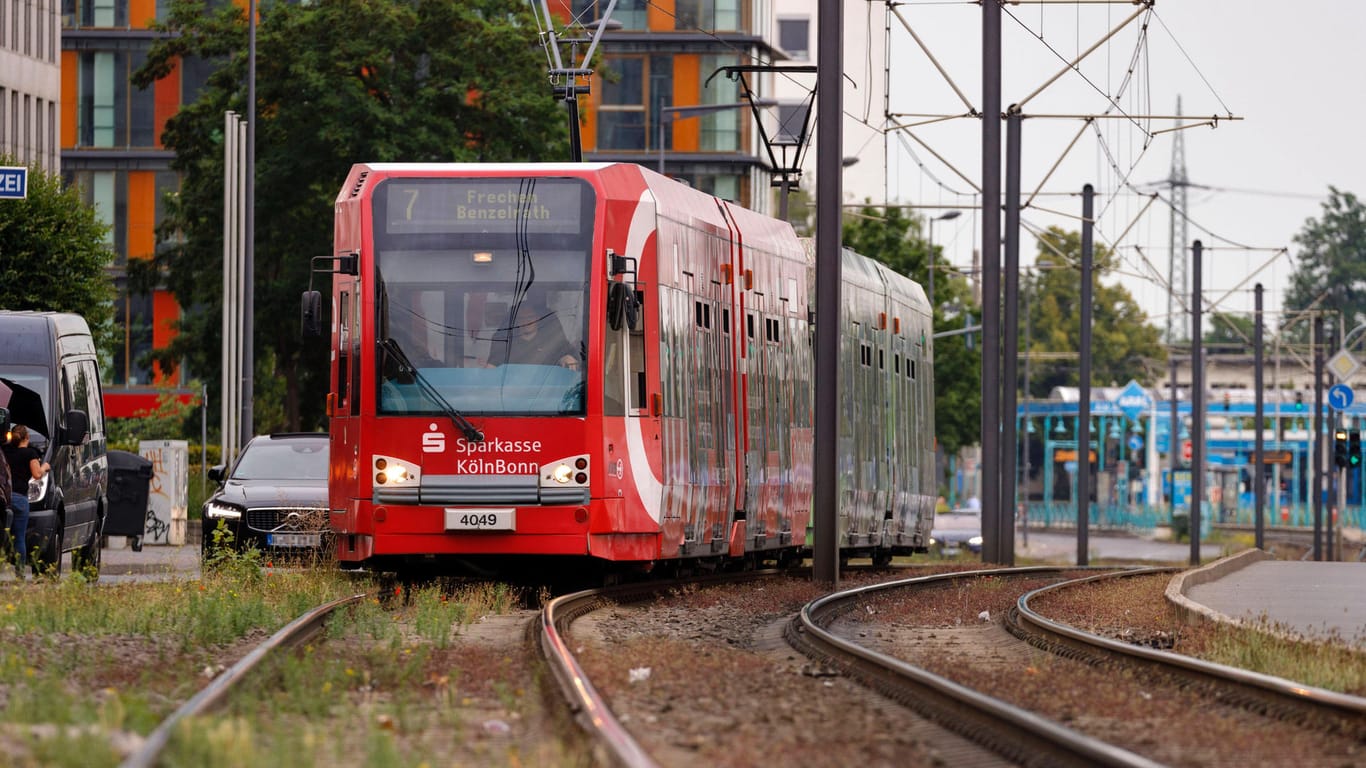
point(168, 500)
point(130, 483)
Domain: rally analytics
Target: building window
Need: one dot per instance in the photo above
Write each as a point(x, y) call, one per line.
point(790, 119)
point(621, 116)
point(96, 13)
point(109, 111)
point(721, 130)
point(794, 36)
point(631, 13)
point(708, 15)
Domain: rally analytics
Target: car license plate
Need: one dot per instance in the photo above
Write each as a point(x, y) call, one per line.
point(293, 539)
point(481, 519)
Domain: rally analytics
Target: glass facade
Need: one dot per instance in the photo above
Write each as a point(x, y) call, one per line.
point(112, 153)
point(111, 112)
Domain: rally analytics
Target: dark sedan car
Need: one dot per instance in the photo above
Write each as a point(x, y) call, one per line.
point(275, 498)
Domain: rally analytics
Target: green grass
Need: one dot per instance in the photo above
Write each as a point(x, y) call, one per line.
point(381, 678)
point(77, 660)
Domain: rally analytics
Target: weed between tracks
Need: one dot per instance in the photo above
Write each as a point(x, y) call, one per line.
point(86, 672)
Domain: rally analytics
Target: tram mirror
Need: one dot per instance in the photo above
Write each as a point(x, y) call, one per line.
point(632, 310)
point(311, 324)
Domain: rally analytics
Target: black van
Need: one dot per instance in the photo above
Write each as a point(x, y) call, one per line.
point(50, 382)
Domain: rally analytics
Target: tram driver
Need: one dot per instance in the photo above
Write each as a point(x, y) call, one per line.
point(537, 338)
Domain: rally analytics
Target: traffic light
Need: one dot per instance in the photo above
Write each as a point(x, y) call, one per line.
point(1354, 449)
point(1226, 399)
point(1299, 401)
point(1340, 448)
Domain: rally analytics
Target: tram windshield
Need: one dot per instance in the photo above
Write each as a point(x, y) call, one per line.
point(481, 294)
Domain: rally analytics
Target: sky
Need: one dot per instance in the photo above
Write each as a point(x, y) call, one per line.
point(1291, 73)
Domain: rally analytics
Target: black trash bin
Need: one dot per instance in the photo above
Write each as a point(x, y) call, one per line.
point(130, 482)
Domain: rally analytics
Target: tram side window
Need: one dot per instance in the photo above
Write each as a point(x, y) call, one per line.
point(637, 340)
point(344, 397)
point(614, 374)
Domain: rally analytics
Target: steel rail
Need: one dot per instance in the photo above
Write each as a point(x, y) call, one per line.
point(294, 633)
point(1015, 733)
point(584, 700)
point(1340, 712)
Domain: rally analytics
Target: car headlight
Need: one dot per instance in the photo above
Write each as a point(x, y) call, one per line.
point(975, 541)
point(37, 487)
point(217, 510)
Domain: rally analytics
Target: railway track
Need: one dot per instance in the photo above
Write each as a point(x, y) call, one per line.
point(1136, 705)
point(588, 706)
point(1311, 707)
point(292, 635)
point(1013, 732)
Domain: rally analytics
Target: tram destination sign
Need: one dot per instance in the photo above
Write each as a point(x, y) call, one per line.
point(506, 206)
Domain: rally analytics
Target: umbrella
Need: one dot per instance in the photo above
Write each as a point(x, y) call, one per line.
point(25, 406)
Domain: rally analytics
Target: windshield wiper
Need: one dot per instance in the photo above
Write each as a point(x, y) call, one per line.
point(471, 432)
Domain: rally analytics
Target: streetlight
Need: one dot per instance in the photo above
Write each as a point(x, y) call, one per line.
point(944, 217)
point(671, 113)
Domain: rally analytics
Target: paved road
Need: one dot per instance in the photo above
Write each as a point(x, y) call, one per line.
point(121, 564)
point(1062, 548)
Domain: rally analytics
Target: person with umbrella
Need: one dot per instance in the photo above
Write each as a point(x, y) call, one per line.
point(6, 487)
point(25, 463)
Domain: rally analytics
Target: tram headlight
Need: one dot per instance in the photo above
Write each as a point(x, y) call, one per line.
point(391, 472)
point(570, 470)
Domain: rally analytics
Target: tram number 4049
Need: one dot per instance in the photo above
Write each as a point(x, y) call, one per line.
point(481, 519)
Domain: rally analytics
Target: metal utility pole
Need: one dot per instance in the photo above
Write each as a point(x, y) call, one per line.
point(991, 281)
point(1258, 455)
point(1197, 406)
point(1010, 340)
point(1088, 196)
point(249, 239)
point(829, 240)
point(1319, 473)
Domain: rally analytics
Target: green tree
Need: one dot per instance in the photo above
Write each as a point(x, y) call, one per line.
point(896, 240)
point(55, 253)
point(1229, 333)
point(1331, 271)
point(338, 82)
point(1123, 345)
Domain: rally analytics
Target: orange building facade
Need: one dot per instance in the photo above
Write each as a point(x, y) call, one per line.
point(660, 56)
point(111, 150)
point(664, 54)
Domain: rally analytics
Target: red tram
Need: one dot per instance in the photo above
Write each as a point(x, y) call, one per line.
point(595, 361)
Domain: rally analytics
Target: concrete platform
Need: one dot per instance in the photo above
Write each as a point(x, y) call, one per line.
point(1295, 598)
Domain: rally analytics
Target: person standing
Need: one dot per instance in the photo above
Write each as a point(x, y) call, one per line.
point(25, 464)
point(5, 490)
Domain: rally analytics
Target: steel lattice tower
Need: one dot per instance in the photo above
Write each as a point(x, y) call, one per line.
point(1177, 281)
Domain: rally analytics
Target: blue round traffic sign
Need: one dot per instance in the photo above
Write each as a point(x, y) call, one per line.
point(1340, 397)
point(1135, 443)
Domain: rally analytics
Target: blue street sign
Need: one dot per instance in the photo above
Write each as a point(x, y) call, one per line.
point(13, 183)
point(1133, 400)
point(1340, 397)
point(1135, 443)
